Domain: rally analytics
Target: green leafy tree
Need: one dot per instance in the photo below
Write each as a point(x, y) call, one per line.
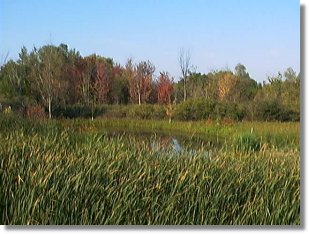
point(240, 71)
point(46, 75)
point(119, 88)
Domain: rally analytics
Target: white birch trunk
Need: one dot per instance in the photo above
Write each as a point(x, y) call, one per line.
point(139, 98)
point(49, 108)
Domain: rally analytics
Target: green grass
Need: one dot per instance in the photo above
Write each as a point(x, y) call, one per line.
point(69, 172)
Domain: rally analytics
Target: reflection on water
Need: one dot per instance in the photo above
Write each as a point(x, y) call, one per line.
point(176, 145)
point(167, 142)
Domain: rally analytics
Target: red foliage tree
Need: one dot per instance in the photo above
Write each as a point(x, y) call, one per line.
point(165, 88)
point(103, 79)
point(140, 79)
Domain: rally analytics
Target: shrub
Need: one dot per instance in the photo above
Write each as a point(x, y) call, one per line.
point(35, 112)
point(116, 111)
point(159, 112)
point(78, 111)
point(143, 111)
point(268, 110)
point(289, 115)
point(272, 110)
point(8, 110)
point(194, 109)
point(209, 121)
point(227, 121)
point(228, 110)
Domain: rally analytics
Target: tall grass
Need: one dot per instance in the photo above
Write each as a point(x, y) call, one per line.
point(53, 175)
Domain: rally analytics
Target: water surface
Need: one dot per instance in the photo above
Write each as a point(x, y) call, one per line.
point(178, 144)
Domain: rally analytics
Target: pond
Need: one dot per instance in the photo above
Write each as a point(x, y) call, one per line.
point(178, 144)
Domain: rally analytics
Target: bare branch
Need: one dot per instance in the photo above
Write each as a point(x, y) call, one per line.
point(184, 62)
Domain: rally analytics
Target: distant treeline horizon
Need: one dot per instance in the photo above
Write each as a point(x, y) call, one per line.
point(56, 76)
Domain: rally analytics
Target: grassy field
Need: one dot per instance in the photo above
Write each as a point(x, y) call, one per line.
point(70, 172)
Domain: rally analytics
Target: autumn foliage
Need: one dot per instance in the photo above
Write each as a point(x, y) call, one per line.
point(165, 88)
point(57, 78)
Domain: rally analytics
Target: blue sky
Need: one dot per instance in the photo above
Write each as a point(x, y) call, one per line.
point(264, 35)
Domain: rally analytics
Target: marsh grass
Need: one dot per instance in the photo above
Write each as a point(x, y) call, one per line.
point(247, 142)
point(275, 134)
point(52, 174)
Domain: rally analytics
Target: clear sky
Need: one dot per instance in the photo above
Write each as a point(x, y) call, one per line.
point(264, 35)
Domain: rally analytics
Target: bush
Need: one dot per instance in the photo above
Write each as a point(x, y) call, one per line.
point(194, 109)
point(272, 110)
point(198, 109)
point(227, 121)
point(289, 115)
point(116, 111)
point(247, 142)
point(228, 110)
point(35, 112)
point(146, 111)
point(8, 110)
point(78, 111)
point(159, 112)
point(140, 111)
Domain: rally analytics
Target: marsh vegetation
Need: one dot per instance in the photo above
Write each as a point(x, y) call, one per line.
point(81, 172)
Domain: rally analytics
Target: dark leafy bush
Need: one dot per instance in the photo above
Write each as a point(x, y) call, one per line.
point(228, 110)
point(146, 111)
point(272, 110)
point(159, 112)
point(116, 111)
point(289, 115)
point(194, 109)
point(143, 111)
point(78, 111)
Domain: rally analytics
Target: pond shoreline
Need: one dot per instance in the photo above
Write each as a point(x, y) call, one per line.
point(277, 134)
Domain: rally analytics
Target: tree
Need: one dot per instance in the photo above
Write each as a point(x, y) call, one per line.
point(240, 71)
point(46, 74)
point(290, 74)
point(15, 82)
point(225, 84)
point(243, 90)
point(210, 86)
point(11, 83)
point(103, 78)
point(184, 62)
point(291, 90)
point(128, 74)
point(197, 85)
point(119, 88)
point(70, 74)
point(140, 80)
point(165, 88)
point(88, 66)
point(274, 88)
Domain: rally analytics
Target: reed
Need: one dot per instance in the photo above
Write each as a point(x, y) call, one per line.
point(52, 173)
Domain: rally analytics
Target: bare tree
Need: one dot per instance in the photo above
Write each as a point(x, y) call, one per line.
point(184, 62)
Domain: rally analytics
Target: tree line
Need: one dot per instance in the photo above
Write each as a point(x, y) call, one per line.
point(56, 76)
